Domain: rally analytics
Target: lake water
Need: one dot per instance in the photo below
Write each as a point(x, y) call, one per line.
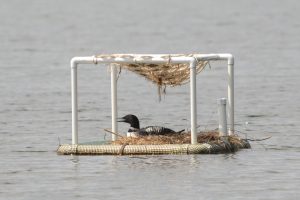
point(38, 39)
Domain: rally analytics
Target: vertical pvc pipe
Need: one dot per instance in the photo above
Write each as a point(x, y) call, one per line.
point(222, 117)
point(193, 99)
point(74, 103)
point(231, 95)
point(114, 109)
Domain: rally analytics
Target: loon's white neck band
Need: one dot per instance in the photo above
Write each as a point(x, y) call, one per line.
point(133, 132)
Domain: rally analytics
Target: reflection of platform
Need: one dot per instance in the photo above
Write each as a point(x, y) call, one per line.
point(203, 148)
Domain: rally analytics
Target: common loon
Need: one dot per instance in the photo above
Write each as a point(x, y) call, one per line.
point(135, 129)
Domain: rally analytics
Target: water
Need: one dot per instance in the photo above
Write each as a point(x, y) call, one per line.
point(38, 39)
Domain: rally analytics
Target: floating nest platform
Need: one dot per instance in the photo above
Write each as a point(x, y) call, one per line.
point(208, 143)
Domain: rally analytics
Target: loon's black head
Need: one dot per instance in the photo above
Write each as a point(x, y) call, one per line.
point(130, 119)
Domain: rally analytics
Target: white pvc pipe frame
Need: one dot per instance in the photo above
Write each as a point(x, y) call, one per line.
point(156, 59)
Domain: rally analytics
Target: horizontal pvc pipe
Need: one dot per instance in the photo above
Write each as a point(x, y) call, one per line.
point(151, 58)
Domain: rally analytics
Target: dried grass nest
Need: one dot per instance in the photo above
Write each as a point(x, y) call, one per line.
point(181, 138)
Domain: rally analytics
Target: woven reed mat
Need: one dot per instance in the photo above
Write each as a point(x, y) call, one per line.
point(204, 148)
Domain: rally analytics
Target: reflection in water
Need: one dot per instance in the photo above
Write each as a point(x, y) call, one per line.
point(74, 159)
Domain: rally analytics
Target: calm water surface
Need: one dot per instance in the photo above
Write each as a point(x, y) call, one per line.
point(38, 39)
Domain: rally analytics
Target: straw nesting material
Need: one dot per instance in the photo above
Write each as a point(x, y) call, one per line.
point(180, 138)
point(162, 74)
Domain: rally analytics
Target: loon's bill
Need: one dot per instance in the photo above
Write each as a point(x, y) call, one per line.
point(135, 129)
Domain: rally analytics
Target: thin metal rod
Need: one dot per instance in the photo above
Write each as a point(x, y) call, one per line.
point(222, 117)
point(74, 103)
point(193, 102)
point(231, 95)
point(114, 108)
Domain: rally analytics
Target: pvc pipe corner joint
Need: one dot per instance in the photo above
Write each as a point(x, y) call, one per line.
point(73, 62)
point(230, 59)
point(192, 62)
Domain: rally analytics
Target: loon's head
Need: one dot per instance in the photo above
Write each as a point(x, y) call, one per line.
point(132, 120)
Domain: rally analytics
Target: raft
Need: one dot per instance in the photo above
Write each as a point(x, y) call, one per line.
point(205, 148)
point(227, 145)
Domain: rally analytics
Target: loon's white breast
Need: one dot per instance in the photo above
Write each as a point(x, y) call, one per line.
point(133, 132)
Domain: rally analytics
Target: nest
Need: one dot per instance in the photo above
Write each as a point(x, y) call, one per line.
point(211, 137)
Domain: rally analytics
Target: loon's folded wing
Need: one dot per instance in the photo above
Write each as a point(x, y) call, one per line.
point(155, 130)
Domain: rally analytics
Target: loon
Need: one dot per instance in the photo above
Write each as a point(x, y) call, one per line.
point(135, 129)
